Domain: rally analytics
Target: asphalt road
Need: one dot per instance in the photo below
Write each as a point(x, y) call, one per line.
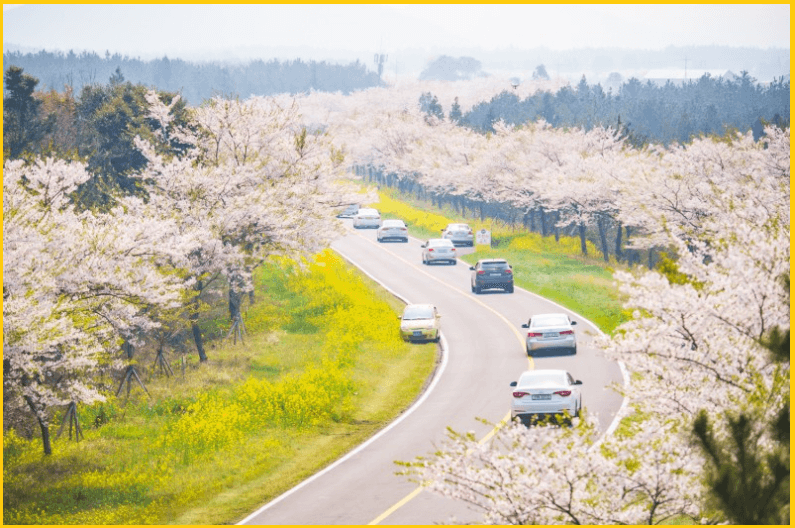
point(482, 352)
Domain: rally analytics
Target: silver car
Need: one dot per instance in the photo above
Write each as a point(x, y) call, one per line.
point(392, 230)
point(459, 234)
point(349, 211)
point(438, 249)
point(550, 331)
point(367, 218)
point(420, 322)
point(545, 392)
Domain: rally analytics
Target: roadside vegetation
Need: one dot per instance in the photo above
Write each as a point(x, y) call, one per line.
point(552, 268)
point(321, 370)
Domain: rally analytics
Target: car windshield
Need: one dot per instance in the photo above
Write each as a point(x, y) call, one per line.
point(495, 265)
point(418, 312)
point(439, 243)
point(550, 320)
point(540, 377)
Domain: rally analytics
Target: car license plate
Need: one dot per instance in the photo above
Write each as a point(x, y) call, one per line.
point(494, 274)
point(542, 396)
point(551, 334)
point(417, 333)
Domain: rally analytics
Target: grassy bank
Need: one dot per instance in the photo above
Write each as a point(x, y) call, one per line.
point(321, 370)
point(553, 269)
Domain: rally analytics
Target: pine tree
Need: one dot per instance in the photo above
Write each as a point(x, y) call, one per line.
point(23, 126)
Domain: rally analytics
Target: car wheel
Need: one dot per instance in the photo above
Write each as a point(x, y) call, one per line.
point(529, 352)
point(478, 289)
point(574, 351)
point(424, 261)
point(509, 289)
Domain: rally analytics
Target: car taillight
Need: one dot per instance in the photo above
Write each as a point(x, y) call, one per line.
point(563, 393)
point(534, 334)
point(567, 332)
point(469, 233)
point(430, 249)
point(508, 271)
point(520, 394)
point(481, 272)
point(453, 249)
point(402, 228)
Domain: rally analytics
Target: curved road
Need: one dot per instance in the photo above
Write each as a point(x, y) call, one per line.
point(483, 351)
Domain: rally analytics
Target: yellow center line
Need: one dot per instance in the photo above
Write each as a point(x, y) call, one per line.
point(405, 500)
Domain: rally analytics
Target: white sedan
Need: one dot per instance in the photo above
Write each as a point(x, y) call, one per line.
point(545, 392)
point(392, 230)
point(367, 217)
point(438, 249)
point(553, 331)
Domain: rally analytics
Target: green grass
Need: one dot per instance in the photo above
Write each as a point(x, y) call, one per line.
point(129, 469)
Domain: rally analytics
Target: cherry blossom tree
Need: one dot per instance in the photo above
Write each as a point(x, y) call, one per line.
point(74, 283)
point(551, 474)
point(256, 182)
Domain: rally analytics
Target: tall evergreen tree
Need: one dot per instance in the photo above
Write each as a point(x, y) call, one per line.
point(23, 126)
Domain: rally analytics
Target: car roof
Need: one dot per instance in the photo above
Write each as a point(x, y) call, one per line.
point(393, 221)
point(367, 210)
point(485, 261)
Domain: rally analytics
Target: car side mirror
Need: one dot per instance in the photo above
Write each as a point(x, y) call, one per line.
point(574, 323)
point(525, 325)
point(578, 382)
point(423, 245)
point(472, 268)
point(513, 384)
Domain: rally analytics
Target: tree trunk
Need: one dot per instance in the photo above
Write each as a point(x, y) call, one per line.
point(603, 237)
point(45, 427)
point(619, 253)
point(197, 332)
point(555, 227)
point(543, 219)
point(583, 245)
point(235, 300)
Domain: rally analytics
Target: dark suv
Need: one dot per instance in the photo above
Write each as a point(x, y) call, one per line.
point(492, 273)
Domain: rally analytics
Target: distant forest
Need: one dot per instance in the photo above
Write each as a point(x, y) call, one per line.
point(645, 112)
point(195, 81)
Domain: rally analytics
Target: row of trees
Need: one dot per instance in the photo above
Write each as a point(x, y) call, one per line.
point(646, 112)
point(217, 190)
point(195, 82)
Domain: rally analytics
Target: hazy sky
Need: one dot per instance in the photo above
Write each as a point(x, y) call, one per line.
point(179, 29)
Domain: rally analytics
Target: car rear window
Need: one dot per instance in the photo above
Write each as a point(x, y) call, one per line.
point(393, 223)
point(418, 312)
point(494, 265)
point(550, 321)
point(440, 242)
point(538, 377)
